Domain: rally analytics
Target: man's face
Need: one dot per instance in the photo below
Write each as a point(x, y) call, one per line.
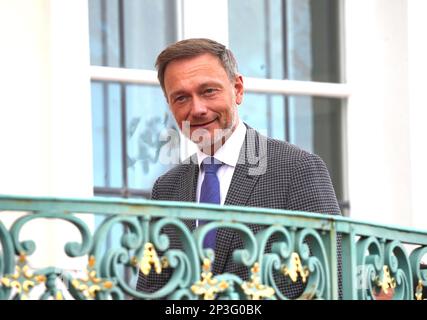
point(203, 99)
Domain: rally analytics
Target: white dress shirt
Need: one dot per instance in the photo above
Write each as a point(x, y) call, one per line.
point(228, 154)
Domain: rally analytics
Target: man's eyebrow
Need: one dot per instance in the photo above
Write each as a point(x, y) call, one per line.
point(202, 86)
point(177, 93)
point(210, 84)
point(207, 84)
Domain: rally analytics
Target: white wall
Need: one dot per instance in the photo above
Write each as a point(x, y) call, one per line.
point(45, 112)
point(205, 19)
point(45, 130)
point(24, 101)
point(417, 73)
point(385, 131)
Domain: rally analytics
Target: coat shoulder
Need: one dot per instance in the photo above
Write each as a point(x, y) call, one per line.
point(281, 151)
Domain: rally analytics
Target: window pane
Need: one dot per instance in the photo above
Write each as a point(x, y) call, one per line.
point(130, 33)
point(106, 131)
point(313, 124)
point(148, 121)
point(150, 147)
point(294, 39)
point(265, 113)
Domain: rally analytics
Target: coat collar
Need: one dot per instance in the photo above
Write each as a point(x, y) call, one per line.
point(188, 184)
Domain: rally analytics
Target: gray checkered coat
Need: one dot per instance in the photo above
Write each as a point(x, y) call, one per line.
point(289, 178)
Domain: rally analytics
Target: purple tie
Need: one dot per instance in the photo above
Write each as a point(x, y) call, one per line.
point(209, 193)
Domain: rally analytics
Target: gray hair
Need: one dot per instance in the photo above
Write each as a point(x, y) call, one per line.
point(194, 47)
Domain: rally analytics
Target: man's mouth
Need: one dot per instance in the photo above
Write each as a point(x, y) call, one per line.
point(200, 125)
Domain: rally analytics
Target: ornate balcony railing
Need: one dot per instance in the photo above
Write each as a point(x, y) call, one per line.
point(377, 260)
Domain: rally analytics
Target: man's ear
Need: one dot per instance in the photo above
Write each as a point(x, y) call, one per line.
point(238, 88)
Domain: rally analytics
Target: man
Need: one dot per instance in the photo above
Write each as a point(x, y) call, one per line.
point(234, 165)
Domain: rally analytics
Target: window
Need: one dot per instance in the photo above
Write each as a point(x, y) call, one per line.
point(289, 52)
point(130, 33)
point(127, 118)
point(293, 40)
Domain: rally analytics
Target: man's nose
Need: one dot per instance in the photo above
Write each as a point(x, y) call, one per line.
point(198, 107)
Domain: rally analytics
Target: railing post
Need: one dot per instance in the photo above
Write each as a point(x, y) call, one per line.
point(333, 261)
point(350, 277)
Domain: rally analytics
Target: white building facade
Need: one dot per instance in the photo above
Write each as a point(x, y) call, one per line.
point(50, 89)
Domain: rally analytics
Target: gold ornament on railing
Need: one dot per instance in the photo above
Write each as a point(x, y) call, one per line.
point(419, 291)
point(209, 287)
point(386, 282)
point(59, 295)
point(23, 280)
point(296, 268)
point(92, 284)
point(150, 258)
point(253, 289)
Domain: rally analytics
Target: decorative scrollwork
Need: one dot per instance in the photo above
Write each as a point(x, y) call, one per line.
point(419, 270)
point(150, 250)
point(92, 285)
point(52, 291)
point(150, 258)
point(385, 281)
point(385, 269)
point(397, 260)
point(246, 256)
point(122, 254)
point(295, 269)
point(419, 291)
point(183, 265)
point(72, 249)
point(253, 289)
point(313, 254)
point(208, 287)
point(370, 257)
point(296, 256)
point(7, 258)
point(23, 280)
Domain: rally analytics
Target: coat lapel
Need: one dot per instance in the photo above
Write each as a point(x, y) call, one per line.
point(252, 155)
point(188, 187)
point(188, 183)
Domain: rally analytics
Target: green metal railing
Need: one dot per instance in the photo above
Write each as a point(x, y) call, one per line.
point(378, 261)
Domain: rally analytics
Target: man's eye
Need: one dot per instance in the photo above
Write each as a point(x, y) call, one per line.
point(180, 99)
point(210, 91)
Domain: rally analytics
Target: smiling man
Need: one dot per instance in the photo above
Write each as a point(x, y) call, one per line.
point(203, 99)
point(234, 164)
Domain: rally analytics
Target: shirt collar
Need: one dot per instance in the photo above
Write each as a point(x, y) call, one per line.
point(230, 151)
